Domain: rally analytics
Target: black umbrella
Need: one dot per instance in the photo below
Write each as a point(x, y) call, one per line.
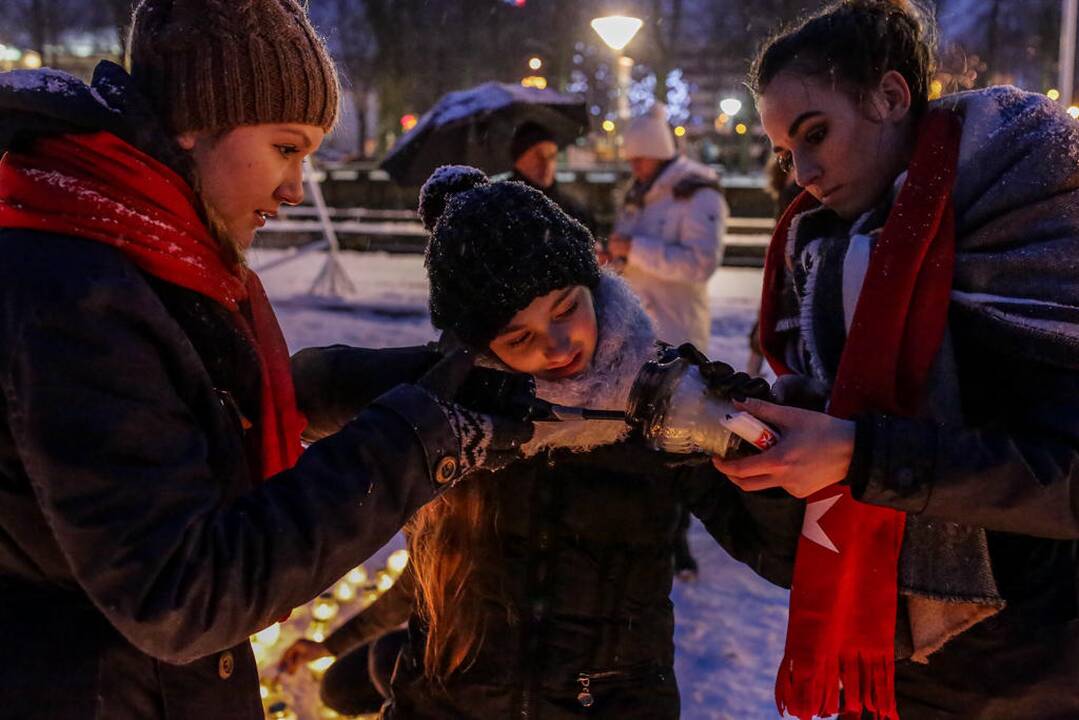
point(475, 127)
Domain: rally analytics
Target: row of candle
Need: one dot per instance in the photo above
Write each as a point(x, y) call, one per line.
point(324, 609)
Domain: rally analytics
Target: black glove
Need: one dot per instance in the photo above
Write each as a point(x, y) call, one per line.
point(801, 392)
point(485, 440)
point(723, 380)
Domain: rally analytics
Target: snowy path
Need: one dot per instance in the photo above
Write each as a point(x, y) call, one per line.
point(730, 623)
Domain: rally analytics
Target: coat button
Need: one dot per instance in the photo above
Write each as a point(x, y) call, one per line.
point(447, 468)
point(225, 665)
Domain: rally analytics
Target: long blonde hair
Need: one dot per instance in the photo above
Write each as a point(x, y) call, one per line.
point(454, 555)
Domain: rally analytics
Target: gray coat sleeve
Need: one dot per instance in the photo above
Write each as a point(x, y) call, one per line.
point(182, 560)
point(1018, 473)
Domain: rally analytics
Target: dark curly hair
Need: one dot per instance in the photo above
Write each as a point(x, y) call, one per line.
point(854, 43)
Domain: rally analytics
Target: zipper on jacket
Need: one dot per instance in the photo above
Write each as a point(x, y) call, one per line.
point(584, 680)
point(585, 696)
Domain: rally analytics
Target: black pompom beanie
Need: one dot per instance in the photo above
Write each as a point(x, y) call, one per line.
point(493, 249)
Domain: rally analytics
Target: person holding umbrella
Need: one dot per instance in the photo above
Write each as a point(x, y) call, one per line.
point(535, 151)
point(489, 127)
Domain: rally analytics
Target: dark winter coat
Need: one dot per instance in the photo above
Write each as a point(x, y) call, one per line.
point(137, 549)
point(997, 446)
point(586, 541)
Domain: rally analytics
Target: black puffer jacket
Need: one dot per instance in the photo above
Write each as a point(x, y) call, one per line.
point(137, 550)
point(586, 545)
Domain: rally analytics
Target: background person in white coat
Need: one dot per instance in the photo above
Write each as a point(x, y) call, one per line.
point(669, 234)
point(667, 241)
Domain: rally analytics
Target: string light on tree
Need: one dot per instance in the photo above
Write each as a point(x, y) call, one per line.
point(535, 63)
point(741, 128)
point(1074, 111)
point(679, 94)
point(680, 131)
point(1053, 94)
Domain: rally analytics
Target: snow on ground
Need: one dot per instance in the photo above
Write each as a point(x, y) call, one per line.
point(730, 623)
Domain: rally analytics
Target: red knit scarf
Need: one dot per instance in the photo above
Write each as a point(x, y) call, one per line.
point(98, 187)
point(841, 631)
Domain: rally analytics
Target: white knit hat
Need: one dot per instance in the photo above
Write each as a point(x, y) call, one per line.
point(649, 136)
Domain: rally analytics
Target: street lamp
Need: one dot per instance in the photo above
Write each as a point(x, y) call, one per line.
point(730, 106)
point(616, 31)
point(1069, 17)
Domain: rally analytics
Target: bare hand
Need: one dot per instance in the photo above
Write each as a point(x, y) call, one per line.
point(619, 245)
point(814, 451)
point(300, 653)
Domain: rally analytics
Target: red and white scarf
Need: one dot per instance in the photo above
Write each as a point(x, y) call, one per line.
point(841, 631)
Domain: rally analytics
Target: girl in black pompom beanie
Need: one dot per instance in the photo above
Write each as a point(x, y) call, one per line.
point(543, 587)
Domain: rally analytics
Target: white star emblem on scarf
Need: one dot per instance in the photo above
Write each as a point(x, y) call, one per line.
point(811, 524)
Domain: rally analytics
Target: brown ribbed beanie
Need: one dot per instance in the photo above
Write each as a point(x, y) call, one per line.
point(217, 64)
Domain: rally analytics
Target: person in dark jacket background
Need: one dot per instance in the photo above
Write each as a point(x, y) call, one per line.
point(921, 298)
point(535, 159)
point(543, 588)
point(155, 510)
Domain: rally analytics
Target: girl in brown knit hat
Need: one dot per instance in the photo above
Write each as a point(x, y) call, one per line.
point(155, 508)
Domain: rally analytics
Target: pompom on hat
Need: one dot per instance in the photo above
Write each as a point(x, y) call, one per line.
point(493, 249)
point(218, 64)
point(649, 135)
